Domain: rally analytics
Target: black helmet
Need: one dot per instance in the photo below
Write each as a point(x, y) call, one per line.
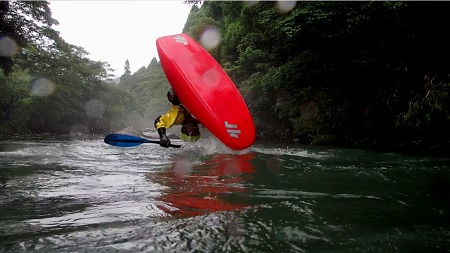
point(172, 97)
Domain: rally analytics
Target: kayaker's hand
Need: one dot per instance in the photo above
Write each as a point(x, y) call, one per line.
point(163, 140)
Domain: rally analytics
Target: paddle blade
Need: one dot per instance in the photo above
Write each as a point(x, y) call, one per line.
point(123, 140)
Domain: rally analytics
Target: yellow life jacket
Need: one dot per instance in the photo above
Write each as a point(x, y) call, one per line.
point(176, 116)
point(172, 117)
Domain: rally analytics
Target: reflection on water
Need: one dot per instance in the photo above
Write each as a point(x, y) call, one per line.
point(218, 184)
point(87, 196)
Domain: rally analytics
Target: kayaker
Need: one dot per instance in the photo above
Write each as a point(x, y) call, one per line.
point(177, 115)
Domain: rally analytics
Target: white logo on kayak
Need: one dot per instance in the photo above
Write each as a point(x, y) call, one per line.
point(232, 130)
point(181, 39)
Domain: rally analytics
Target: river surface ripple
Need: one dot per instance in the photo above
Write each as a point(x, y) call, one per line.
point(87, 196)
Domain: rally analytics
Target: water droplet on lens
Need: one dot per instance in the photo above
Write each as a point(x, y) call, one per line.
point(42, 87)
point(8, 47)
point(286, 6)
point(94, 108)
point(210, 38)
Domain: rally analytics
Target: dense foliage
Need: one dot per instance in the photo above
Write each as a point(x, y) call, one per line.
point(367, 74)
point(364, 74)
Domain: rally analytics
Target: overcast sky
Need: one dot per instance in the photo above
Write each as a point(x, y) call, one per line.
point(114, 31)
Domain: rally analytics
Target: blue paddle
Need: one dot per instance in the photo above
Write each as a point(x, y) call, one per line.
point(123, 140)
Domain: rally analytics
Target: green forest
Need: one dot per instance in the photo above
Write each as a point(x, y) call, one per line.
point(360, 74)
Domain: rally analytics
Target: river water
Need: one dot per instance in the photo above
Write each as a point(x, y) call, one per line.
point(88, 196)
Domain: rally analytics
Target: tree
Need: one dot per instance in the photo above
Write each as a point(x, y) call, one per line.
point(15, 88)
point(23, 22)
point(193, 2)
point(343, 71)
point(127, 68)
point(153, 65)
point(68, 80)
